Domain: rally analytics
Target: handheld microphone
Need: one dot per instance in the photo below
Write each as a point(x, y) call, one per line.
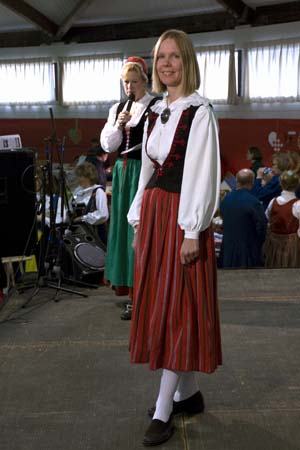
point(131, 99)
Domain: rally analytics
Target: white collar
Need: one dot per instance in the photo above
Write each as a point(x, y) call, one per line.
point(287, 195)
point(82, 191)
point(181, 103)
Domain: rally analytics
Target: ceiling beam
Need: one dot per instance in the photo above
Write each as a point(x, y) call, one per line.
point(151, 28)
point(280, 13)
point(238, 9)
point(66, 25)
point(31, 14)
point(24, 39)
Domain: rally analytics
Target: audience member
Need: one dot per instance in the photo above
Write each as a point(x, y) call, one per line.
point(282, 248)
point(244, 225)
point(255, 156)
point(280, 163)
point(98, 159)
point(295, 167)
point(94, 146)
point(89, 200)
point(267, 176)
point(56, 198)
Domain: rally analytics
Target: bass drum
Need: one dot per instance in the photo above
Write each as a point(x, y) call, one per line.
point(84, 254)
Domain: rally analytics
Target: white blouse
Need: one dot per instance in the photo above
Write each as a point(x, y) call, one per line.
point(282, 199)
point(111, 136)
point(200, 188)
point(101, 214)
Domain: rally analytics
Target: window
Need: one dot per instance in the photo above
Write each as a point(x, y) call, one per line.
point(217, 73)
point(91, 79)
point(27, 82)
point(272, 72)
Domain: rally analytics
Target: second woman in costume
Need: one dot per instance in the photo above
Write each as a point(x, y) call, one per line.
point(123, 131)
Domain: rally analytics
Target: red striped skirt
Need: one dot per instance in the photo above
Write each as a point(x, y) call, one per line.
point(175, 322)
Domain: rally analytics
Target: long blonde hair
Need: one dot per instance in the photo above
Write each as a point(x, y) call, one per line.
point(190, 69)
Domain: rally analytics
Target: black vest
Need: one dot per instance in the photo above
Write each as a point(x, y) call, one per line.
point(168, 176)
point(135, 134)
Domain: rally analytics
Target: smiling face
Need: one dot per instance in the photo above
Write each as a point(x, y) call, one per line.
point(133, 83)
point(169, 64)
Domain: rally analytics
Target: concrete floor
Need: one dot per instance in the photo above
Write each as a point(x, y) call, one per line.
point(66, 382)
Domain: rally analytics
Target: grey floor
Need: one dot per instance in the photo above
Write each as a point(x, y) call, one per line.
point(66, 382)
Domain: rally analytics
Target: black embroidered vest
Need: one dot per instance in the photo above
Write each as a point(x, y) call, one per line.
point(168, 176)
point(135, 133)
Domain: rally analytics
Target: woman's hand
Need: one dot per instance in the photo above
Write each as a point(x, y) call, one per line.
point(189, 251)
point(123, 118)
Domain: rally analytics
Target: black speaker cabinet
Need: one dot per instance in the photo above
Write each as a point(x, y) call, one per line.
point(83, 254)
point(17, 202)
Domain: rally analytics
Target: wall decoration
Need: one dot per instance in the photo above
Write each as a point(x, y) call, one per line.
point(75, 134)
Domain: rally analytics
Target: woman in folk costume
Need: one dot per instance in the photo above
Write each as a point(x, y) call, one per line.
point(175, 323)
point(282, 246)
point(124, 131)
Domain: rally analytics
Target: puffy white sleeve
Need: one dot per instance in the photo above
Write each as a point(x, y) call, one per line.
point(147, 170)
point(200, 188)
point(268, 210)
point(296, 213)
point(101, 214)
point(111, 136)
point(296, 210)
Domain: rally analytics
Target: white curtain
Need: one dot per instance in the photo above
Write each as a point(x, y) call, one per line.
point(272, 71)
point(217, 72)
point(27, 82)
point(91, 79)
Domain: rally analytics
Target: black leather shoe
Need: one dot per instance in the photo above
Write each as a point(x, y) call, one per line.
point(158, 432)
point(123, 304)
point(126, 315)
point(192, 405)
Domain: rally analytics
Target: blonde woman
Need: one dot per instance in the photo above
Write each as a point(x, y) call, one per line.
point(123, 131)
point(175, 324)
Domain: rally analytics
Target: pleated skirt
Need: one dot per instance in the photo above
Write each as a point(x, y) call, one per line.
point(120, 257)
point(282, 250)
point(175, 323)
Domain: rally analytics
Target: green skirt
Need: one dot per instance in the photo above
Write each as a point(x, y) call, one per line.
point(120, 257)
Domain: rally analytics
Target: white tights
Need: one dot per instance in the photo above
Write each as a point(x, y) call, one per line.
point(175, 386)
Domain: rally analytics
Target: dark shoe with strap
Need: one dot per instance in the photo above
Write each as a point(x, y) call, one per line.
point(123, 304)
point(192, 405)
point(126, 315)
point(158, 432)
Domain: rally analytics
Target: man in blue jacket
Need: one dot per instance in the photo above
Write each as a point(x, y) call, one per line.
point(244, 225)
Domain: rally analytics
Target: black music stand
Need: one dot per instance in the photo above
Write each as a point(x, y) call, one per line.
point(51, 244)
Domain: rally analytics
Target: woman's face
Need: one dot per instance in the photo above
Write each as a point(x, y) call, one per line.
point(275, 169)
point(249, 156)
point(133, 83)
point(169, 63)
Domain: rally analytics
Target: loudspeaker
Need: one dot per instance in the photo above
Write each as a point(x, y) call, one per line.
point(83, 254)
point(17, 202)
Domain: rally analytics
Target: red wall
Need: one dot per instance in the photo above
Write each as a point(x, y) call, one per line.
point(33, 132)
point(236, 135)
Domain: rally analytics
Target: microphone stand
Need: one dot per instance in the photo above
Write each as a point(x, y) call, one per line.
point(51, 253)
